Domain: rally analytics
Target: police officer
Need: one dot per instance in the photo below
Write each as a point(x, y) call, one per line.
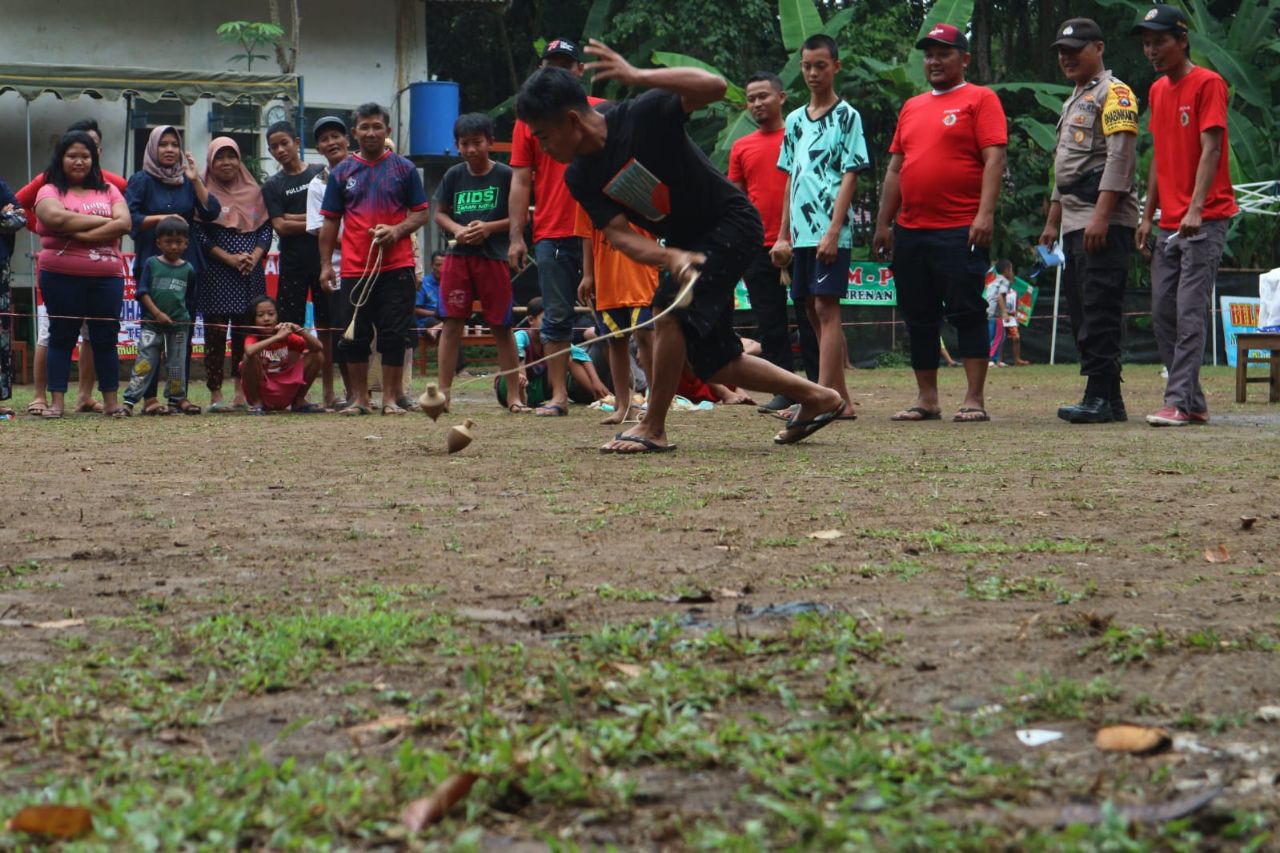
point(1095, 201)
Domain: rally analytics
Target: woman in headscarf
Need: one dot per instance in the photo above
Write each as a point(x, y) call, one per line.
point(168, 185)
point(234, 245)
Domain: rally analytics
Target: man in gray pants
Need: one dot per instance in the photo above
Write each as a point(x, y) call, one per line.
point(1190, 183)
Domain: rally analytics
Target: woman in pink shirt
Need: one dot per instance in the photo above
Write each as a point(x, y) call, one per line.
point(81, 219)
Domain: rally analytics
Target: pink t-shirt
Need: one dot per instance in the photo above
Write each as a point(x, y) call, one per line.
point(61, 255)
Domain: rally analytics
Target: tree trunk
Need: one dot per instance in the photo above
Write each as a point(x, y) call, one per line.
point(287, 59)
point(982, 71)
point(504, 39)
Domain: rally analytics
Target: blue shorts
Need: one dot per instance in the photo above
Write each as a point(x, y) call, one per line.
point(614, 319)
point(811, 277)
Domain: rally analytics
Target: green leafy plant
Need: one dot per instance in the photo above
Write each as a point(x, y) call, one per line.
point(249, 36)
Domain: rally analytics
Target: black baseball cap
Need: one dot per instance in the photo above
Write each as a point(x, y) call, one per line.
point(1162, 18)
point(325, 122)
point(563, 46)
point(945, 35)
point(1077, 32)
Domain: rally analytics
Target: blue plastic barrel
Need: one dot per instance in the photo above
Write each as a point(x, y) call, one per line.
point(433, 108)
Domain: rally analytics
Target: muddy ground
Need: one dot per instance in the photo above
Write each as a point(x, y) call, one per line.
point(1018, 574)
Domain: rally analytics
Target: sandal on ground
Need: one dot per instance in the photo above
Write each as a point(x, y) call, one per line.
point(187, 407)
point(309, 408)
point(355, 409)
point(644, 445)
point(258, 409)
point(407, 403)
point(91, 408)
point(914, 414)
point(393, 409)
point(976, 415)
point(118, 413)
point(37, 407)
point(519, 409)
point(221, 407)
point(50, 414)
point(156, 410)
point(6, 412)
point(551, 410)
point(809, 427)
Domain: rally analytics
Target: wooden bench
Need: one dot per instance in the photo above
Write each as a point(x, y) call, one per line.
point(1245, 342)
point(19, 350)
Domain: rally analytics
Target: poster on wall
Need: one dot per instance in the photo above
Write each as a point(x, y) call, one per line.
point(131, 311)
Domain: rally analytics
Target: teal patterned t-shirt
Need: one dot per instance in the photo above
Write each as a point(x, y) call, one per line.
point(817, 153)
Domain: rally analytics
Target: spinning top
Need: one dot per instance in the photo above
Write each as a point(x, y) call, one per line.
point(459, 436)
point(686, 277)
point(432, 402)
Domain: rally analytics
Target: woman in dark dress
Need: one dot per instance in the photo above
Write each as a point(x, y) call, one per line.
point(234, 244)
point(168, 185)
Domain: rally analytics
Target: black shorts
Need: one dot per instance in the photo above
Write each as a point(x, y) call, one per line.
point(708, 320)
point(388, 310)
point(291, 298)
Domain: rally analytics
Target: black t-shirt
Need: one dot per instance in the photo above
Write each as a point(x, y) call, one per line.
point(469, 198)
point(284, 193)
point(650, 171)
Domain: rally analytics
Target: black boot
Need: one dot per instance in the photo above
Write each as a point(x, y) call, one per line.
point(1118, 414)
point(1095, 408)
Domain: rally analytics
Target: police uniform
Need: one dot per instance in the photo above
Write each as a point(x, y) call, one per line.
point(1096, 152)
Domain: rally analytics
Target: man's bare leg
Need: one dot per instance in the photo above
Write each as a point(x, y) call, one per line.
point(88, 376)
point(558, 374)
point(833, 349)
point(975, 374)
point(40, 399)
point(447, 356)
point(749, 371)
point(620, 367)
point(669, 354)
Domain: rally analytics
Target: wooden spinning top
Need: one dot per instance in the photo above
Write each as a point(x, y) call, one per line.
point(459, 436)
point(432, 402)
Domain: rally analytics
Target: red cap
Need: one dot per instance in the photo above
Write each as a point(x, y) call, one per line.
point(945, 35)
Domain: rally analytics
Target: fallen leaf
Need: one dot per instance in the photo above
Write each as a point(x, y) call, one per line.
point(432, 809)
point(56, 821)
point(1248, 521)
point(630, 670)
point(366, 438)
point(725, 592)
point(59, 624)
point(698, 597)
point(825, 534)
point(87, 468)
point(488, 614)
point(1130, 738)
point(467, 508)
point(382, 725)
point(1269, 713)
point(1217, 555)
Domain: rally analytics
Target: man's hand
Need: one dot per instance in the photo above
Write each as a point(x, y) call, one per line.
point(679, 262)
point(328, 279)
point(828, 246)
point(1095, 234)
point(587, 291)
point(472, 234)
point(517, 254)
point(882, 244)
point(163, 319)
point(1141, 236)
point(982, 230)
point(1190, 224)
point(780, 254)
point(610, 65)
point(384, 235)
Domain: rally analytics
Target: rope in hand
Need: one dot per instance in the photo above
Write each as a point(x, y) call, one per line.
point(363, 287)
point(683, 297)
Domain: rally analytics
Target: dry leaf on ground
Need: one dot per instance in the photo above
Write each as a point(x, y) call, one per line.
point(59, 624)
point(432, 809)
point(825, 534)
point(393, 723)
point(630, 670)
point(1219, 554)
point(54, 821)
point(1129, 738)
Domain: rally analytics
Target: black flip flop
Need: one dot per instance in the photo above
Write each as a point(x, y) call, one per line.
point(969, 410)
point(808, 428)
point(650, 446)
point(925, 415)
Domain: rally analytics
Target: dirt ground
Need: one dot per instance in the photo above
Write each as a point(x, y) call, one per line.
point(1017, 574)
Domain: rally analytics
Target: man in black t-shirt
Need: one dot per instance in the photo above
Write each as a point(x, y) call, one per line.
point(285, 194)
point(636, 163)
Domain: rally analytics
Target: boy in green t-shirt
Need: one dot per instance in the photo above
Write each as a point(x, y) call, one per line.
point(163, 284)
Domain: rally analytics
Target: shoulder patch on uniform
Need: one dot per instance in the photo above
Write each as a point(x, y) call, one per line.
point(1119, 111)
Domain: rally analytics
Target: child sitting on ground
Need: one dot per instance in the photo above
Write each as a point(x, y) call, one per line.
point(162, 290)
point(585, 386)
point(281, 361)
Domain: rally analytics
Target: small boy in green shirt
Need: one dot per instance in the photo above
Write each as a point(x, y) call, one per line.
point(163, 285)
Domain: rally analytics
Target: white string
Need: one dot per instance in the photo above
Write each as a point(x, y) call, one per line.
point(364, 286)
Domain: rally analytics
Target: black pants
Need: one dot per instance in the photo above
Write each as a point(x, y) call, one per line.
point(1094, 287)
point(769, 305)
point(939, 277)
point(388, 311)
point(291, 298)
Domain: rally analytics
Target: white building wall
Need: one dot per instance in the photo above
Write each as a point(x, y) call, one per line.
point(350, 53)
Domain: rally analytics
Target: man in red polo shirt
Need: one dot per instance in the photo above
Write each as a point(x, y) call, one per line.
point(753, 168)
point(942, 187)
point(556, 246)
point(1190, 183)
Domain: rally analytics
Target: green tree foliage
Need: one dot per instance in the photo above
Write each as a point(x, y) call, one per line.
point(250, 36)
